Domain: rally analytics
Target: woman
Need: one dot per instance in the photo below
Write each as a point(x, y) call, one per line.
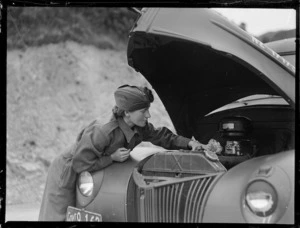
point(97, 146)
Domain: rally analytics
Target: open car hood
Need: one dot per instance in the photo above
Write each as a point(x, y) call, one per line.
point(197, 61)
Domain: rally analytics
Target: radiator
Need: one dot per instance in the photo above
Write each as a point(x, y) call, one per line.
point(163, 199)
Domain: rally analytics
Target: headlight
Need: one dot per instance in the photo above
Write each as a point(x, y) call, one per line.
point(86, 183)
point(261, 198)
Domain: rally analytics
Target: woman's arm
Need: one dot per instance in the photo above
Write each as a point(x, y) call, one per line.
point(163, 137)
point(89, 151)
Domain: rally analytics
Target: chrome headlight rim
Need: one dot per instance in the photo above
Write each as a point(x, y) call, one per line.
point(282, 183)
point(86, 183)
point(260, 198)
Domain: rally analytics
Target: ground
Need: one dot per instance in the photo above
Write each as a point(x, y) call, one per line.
point(53, 91)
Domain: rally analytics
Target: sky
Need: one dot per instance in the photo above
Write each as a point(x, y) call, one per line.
point(259, 21)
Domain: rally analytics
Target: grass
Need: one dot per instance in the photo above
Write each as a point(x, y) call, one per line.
point(105, 28)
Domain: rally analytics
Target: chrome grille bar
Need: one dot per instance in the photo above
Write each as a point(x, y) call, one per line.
point(197, 189)
point(188, 201)
point(178, 200)
point(200, 193)
point(200, 201)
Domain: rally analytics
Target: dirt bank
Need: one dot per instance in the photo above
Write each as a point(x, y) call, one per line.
point(52, 92)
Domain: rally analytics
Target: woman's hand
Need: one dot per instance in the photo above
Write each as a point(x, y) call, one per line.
point(214, 146)
point(195, 145)
point(120, 154)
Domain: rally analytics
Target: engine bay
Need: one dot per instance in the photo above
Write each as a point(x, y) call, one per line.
point(269, 130)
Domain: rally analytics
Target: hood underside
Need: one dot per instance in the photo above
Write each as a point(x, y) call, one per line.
point(193, 75)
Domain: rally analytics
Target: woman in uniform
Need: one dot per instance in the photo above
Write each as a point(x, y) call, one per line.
point(98, 146)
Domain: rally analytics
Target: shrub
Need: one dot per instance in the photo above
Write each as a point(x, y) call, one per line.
point(99, 26)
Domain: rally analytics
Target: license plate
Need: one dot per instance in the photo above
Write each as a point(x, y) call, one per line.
point(81, 215)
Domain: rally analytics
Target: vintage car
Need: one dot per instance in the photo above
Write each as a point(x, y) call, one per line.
point(219, 83)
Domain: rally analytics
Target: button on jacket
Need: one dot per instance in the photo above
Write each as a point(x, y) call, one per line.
point(91, 152)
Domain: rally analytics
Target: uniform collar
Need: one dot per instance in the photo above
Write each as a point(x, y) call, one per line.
point(128, 132)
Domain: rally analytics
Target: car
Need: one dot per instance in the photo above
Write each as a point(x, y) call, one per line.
point(218, 84)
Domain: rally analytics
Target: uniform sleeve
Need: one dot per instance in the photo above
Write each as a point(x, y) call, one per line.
point(89, 151)
point(164, 137)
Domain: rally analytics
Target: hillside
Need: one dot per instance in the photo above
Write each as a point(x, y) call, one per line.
point(53, 91)
point(277, 35)
point(63, 65)
point(103, 27)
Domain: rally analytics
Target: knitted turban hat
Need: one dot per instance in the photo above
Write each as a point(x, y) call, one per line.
point(131, 98)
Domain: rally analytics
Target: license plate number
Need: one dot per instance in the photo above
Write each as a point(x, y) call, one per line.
point(81, 215)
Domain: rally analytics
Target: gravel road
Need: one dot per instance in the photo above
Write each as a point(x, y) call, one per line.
point(22, 212)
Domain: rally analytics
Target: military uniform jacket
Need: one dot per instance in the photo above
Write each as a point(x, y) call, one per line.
point(97, 142)
point(91, 152)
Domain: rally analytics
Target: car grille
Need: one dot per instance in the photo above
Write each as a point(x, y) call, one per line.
point(172, 200)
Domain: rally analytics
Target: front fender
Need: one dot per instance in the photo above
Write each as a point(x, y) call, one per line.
point(225, 202)
point(111, 183)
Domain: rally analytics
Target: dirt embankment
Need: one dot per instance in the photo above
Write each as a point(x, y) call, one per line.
point(53, 91)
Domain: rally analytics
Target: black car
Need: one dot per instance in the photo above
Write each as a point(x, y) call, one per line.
point(217, 83)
